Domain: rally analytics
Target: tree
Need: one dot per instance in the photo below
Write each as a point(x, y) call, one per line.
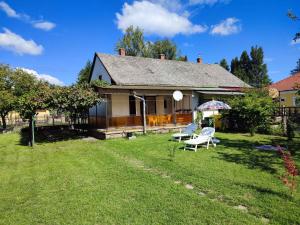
point(37, 98)
point(22, 82)
point(166, 47)
point(133, 42)
point(251, 69)
point(244, 71)
point(250, 112)
point(7, 103)
point(224, 64)
point(75, 100)
point(293, 17)
point(84, 74)
point(235, 66)
point(135, 45)
point(258, 69)
point(6, 98)
point(297, 69)
point(182, 58)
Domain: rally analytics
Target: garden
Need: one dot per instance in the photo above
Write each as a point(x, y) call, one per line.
point(81, 180)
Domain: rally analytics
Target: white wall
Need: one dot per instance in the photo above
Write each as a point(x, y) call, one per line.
point(160, 105)
point(100, 70)
point(120, 105)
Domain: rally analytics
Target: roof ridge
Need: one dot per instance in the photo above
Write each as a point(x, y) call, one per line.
point(156, 59)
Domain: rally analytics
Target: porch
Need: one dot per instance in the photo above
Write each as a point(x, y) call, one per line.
point(123, 112)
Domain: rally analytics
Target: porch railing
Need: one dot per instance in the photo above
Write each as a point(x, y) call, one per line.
point(152, 120)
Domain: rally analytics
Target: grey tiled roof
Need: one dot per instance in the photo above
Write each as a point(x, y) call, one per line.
point(127, 70)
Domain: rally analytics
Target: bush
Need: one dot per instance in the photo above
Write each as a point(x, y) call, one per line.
point(251, 112)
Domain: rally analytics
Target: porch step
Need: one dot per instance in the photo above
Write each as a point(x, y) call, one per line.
point(120, 132)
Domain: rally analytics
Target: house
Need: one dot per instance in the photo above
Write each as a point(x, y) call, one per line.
point(287, 90)
point(131, 79)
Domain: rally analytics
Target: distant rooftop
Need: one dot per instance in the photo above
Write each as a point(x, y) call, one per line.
point(288, 83)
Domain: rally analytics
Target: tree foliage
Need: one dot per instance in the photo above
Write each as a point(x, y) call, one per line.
point(250, 112)
point(166, 47)
point(7, 99)
point(293, 17)
point(84, 74)
point(251, 69)
point(74, 100)
point(134, 44)
point(297, 68)
point(224, 64)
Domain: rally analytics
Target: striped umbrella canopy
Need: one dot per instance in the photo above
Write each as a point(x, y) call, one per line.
point(213, 105)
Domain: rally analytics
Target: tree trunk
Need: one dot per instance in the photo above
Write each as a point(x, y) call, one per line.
point(3, 122)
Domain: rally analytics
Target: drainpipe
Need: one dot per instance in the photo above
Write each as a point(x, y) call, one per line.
point(144, 111)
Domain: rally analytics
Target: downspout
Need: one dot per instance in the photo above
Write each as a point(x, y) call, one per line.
point(144, 111)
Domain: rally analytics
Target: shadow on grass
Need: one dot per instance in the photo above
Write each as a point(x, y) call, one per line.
point(248, 155)
point(52, 134)
point(267, 191)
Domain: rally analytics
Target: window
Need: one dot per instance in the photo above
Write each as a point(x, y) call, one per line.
point(100, 77)
point(165, 103)
point(132, 107)
point(296, 101)
point(150, 105)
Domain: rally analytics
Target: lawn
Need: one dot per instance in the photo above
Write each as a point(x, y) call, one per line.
point(137, 182)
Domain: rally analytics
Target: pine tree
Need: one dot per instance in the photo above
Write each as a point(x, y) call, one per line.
point(258, 69)
point(251, 69)
point(245, 67)
point(224, 64)
point(234, 67)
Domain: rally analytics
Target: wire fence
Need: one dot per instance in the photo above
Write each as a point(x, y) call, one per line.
point(42, 120)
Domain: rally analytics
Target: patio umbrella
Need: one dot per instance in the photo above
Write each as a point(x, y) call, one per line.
point(212, 106)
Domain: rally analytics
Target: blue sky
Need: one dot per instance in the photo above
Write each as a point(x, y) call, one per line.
point(54, 39)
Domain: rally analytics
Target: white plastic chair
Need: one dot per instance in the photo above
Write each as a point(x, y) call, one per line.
point(205, 137)
point(186, 133)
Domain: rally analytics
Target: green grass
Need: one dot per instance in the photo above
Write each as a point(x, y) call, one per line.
point(133, 182)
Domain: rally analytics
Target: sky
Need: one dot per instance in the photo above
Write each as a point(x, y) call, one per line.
point(54, 39)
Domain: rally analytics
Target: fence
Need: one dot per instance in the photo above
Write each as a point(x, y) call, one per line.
point(40, 120)
point(287, 111)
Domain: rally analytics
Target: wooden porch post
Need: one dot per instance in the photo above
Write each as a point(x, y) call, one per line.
point(96, 115)
point(106, 114)
point(174, 111)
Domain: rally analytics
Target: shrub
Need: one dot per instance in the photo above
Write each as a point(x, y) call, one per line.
point(250, 112)
point(289, 178)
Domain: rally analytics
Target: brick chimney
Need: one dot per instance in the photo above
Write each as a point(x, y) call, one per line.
point(162, 56)
point(122, 52)
point(199, 60)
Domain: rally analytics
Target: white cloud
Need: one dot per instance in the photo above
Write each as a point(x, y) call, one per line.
point(295, 42)
point(44, 25)
point(172, 5)
point(227, 27)
point(10, 12)
point(15, 43)
point(207, 2)
point(155, 19)
point(45, 77)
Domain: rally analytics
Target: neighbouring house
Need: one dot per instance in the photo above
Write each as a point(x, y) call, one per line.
point(287, 90)
point(155, 80)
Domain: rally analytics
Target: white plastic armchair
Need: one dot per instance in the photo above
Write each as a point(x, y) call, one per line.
point(205, 137)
